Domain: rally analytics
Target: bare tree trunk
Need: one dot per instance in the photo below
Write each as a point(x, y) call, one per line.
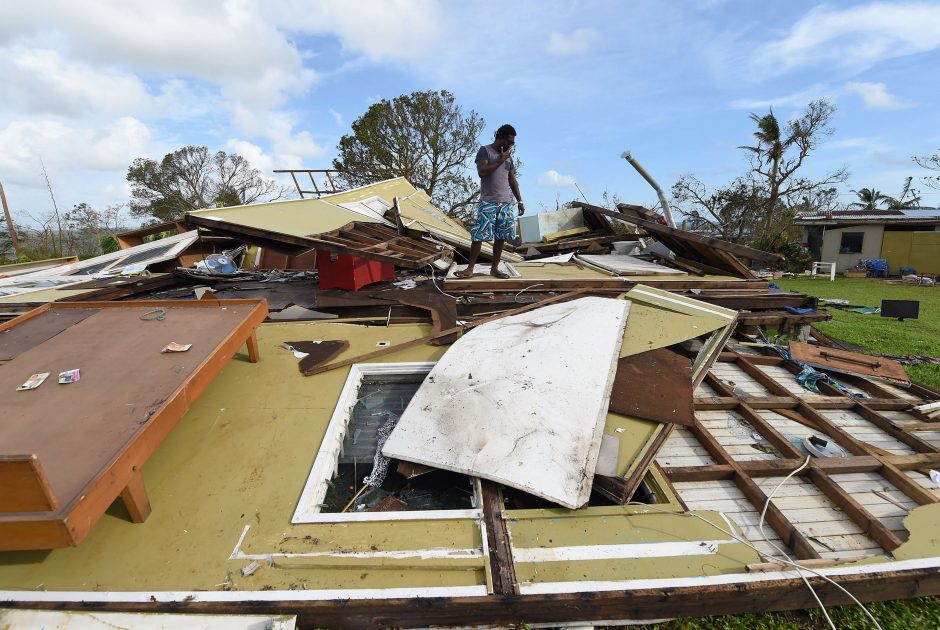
point(55, 207)
point(6, 213)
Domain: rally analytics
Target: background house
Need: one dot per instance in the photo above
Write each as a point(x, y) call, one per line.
point(905, 238)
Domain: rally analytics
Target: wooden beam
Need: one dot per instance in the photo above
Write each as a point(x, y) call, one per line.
point(888, 427)
point(862, 517)
point(502, 567)
point(648, 604)
point(691, 237)
point(135, 498)
point(787, 532)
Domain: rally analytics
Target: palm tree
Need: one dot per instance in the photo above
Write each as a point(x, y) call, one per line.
point(868, 199)
point(907, 199)
point(769, 154)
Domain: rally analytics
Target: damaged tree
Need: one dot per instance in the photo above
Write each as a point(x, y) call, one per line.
point(424, 137)
point(778, 154)
point(190, 179)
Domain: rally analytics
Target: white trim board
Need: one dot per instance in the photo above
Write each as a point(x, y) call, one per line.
point(453, 591)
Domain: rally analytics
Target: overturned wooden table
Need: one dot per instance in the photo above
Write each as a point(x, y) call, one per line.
point(67, 451)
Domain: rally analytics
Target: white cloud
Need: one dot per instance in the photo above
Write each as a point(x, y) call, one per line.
point(337, 117)
point(854, 38)
point(797, 99)
point(578, 42)
point(377, 29)
point(64, 147)
point(876, 96)
point(254, 154)
point(234, 47)
point(554, 179)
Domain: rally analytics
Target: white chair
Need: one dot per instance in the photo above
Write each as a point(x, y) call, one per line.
point(821, 266)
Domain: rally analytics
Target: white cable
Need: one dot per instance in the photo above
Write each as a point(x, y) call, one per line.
point(516, 297)
point(434, 282)
point(748, 544)
point(783, 554)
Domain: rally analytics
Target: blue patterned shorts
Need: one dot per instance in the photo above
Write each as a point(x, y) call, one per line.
point(494, 222)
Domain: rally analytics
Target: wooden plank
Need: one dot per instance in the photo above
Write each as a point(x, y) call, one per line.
point(549, 248)
point(622, 490)
point(135, 498)
point(774, 468)
point(23, 485)
point(635, 603)
point(35, 330)
point(485, 285)
point(862, 517)
point(849, 362)
point(499, 547)
point(654, 385)
point(775, 518)
point(888, 427)
point(682, 236)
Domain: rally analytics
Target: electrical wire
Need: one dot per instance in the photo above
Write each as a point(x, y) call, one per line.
point(434, 282)
point(516, 297)
point(784, 560)
point(784, 554)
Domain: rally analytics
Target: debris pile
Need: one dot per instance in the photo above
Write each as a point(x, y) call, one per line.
point(618, 372)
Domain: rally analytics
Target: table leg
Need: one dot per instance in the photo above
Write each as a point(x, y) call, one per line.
point(135, 498)
point(253, 352)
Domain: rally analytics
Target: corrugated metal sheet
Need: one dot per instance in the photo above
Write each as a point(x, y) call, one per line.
point(871, 216)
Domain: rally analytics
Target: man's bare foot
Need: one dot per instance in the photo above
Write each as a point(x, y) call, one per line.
point(496, 273)
point(464, 273)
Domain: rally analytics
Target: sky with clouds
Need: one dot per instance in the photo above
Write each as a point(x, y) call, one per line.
point(89, 86)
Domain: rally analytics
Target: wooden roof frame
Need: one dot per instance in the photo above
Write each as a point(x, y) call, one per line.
point(363, 239)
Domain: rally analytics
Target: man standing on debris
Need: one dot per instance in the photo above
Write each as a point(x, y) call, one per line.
point(495, 220)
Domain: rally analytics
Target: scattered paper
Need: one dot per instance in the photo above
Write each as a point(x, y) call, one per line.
point(177, 347)
point(69, 376)
point(297, 353)
point(33, 381)
point(935, 476)
point(406, 284)
point(251, 568)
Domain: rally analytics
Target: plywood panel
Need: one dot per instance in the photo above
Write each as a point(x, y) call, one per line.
point(21, 337)
point(521, 401)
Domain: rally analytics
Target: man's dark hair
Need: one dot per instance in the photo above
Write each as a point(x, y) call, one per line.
point(505, 131)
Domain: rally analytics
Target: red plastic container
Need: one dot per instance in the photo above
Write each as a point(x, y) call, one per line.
point(341, 271)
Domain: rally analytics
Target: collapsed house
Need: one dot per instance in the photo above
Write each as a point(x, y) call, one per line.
point(606, 435)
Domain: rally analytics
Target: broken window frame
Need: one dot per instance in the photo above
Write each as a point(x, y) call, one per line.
point(327, 459)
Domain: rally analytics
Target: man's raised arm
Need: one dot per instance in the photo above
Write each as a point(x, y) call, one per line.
point(485, 168)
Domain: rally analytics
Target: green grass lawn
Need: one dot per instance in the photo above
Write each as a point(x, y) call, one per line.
point(876, 334)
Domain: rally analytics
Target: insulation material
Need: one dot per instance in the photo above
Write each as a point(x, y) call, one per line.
point(521, 401)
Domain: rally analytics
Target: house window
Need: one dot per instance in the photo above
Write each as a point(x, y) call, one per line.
point(374, 397)
point(851, 243)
